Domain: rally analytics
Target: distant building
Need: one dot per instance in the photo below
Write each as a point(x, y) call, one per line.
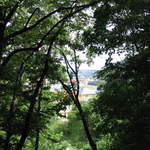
point(87, 93)
point(88, 85)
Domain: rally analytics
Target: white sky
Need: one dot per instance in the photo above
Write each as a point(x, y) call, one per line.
point(99, 61)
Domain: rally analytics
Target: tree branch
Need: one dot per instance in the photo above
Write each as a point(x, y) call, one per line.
point(76, 72)
point(31, 48)
point(43, 38)
point(69, 74)
point(48, 15)
point(30, 18)
point(67, 89)
point(12, 11)
point(15, 52)
point(26, 128)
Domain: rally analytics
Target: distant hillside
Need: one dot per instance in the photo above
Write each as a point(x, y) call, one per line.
point(86, 74)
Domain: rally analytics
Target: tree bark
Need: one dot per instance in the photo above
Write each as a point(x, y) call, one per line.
point(37, 128)
point(9, 119)
point(26, 129)
point(7, 141)
point(73, 92)
point(37, 139)
point(11, 110)
point(2, 29)
point(85, 125)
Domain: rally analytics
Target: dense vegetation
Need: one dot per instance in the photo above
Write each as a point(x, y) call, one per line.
point(39, 45)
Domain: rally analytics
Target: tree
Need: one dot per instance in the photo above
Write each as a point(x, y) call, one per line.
point(19, 23)
point(74, 86)
point(120, 26)
point(124, 105)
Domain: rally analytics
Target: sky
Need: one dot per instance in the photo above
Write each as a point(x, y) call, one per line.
point(99, 61)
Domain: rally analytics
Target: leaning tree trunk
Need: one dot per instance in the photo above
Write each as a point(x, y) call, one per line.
point(85, 125)
point(26, 128)
point(9, 126)
point(11, 112)
point(37, 128)
point(73, 92)
point(37, 139)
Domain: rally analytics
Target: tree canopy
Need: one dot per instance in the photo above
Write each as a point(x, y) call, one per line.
point(39, 45)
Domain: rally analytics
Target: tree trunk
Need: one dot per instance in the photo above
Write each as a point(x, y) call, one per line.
point(12, 111)
point(2, 28)
point(37, 128)
point(9, 121)
point(7, 141)
point(26, 129)
point(86, 128)
point(73, 92)
point(37, 139)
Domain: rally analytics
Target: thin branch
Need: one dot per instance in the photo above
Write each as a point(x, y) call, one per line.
point(69, 74)
point(30, 18)
point(14, 34)
point(15, 52)
point(67, 89)
point(76, 72)
point(26, 128)
point(43, 38)
point(67, 62)
point(32, 48)
point(12, 11)
point(70, 78)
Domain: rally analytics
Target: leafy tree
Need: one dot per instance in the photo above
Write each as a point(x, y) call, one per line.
point(120, 26)
point(19, 22)
point(123, 107)
point(73, 88)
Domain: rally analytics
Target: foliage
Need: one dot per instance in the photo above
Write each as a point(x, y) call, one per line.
point(120, 26)
point(31, 36)
point(123, 107)
point(35, 38)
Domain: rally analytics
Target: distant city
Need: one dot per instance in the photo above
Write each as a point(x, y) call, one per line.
point(83, 74)
point(88, 85)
